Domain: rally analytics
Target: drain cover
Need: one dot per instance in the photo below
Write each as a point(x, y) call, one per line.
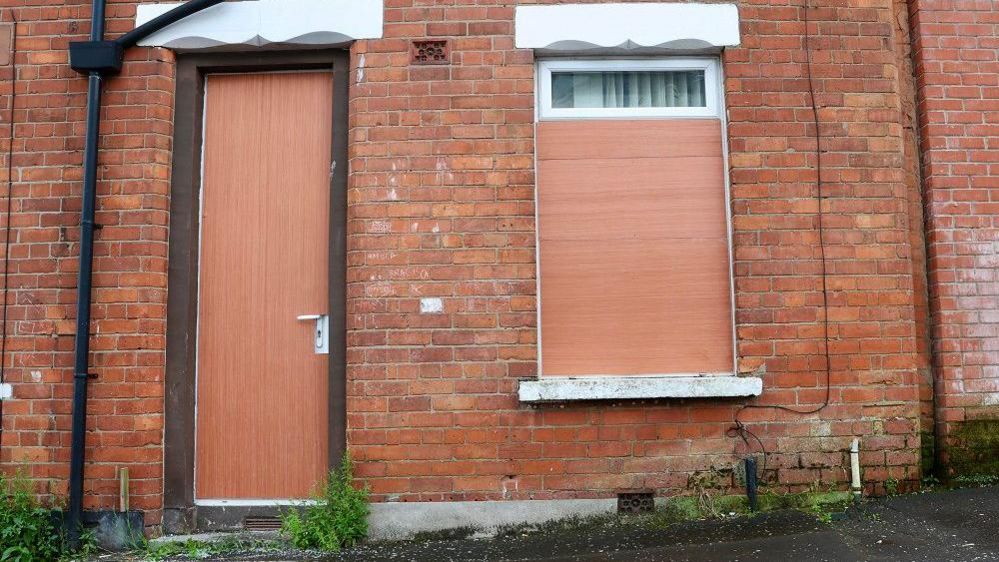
point(261, 523)
point(635, 502)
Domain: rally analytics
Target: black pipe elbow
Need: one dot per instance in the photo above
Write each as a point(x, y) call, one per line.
point(102, 57)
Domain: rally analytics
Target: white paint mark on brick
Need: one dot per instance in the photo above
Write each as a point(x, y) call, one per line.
point(431, 305)
point(441, 170)
point(821, 429)
point(6, 391)
point(360, 69)
point(379, 289)
point(510, 483)
point(36, 376)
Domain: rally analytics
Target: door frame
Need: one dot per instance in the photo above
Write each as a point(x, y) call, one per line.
point(180, 514)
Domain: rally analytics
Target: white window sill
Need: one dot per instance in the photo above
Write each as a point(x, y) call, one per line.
point(561, 389)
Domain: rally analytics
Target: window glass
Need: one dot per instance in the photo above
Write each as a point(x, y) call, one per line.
point(623, 89)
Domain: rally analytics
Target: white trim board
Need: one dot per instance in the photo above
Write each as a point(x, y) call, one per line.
point(256, 23)
point(638, 387)
point(641, 27)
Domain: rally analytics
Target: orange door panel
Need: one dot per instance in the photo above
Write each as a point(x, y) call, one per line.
point(262, 392)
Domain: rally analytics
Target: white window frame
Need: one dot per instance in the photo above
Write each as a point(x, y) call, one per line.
point(712, 94)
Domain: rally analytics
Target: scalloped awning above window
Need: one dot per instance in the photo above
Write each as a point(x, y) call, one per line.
point(256, 23)
point(634, 28)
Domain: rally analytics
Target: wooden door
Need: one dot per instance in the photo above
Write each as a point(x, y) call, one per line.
point(262, 392)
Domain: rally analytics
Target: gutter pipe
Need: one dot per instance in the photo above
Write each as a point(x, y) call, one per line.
point(159, 22)
point(83, 285)
point(96, 59)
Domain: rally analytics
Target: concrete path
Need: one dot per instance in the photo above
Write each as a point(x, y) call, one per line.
point(952, 526)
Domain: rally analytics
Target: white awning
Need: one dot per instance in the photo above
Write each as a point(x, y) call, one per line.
point(261, 22)
point(638, 27)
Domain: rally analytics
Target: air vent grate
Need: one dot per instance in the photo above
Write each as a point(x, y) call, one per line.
point(430, 51)
point(260, 523)
point(636, 502)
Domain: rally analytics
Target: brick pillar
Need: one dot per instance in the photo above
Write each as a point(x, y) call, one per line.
point(956, 54)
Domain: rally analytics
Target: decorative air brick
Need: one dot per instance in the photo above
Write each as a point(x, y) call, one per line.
point(430, 51)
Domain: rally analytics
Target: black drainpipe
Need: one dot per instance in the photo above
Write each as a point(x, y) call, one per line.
point(96, 58)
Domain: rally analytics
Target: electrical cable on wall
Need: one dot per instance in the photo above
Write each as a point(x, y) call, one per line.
point(739, 428)
point(7, 213)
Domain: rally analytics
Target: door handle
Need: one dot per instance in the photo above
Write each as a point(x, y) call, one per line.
point(321, 335)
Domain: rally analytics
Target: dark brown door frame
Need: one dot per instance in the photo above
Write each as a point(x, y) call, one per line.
point(179, 511)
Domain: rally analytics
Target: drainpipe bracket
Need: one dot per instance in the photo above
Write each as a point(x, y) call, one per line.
point(102, 57)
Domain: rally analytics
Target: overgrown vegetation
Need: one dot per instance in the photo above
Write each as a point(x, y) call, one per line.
point(29, 530)
point(197, 550)
point(336, 519)
point(976, 480)
point(974, 450)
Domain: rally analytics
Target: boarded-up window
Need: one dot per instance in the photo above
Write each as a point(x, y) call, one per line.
point(633, 234)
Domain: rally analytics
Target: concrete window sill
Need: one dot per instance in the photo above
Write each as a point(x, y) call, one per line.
point(563, 389)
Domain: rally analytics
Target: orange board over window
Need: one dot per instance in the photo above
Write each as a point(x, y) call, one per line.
point(633, 242)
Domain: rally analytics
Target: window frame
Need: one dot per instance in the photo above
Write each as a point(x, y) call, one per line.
point(710, 66)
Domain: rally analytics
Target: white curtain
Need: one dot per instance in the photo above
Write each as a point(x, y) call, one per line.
point(681, 88)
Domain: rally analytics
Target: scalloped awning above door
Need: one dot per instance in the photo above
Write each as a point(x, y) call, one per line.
point(636, 27)
point(262, 22)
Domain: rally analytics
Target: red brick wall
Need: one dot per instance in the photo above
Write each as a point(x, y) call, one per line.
point(955, 46)
point(130, 257)
point(422, 181)
point(778, 265)
point(441, 204)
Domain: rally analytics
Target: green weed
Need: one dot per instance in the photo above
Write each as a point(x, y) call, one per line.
point(28, 529)
point(337, 518)
point(891, 486)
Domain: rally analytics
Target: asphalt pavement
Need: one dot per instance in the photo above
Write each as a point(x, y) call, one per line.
point(941, 526)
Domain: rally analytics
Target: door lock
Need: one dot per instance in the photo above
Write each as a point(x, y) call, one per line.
point(321, 335)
